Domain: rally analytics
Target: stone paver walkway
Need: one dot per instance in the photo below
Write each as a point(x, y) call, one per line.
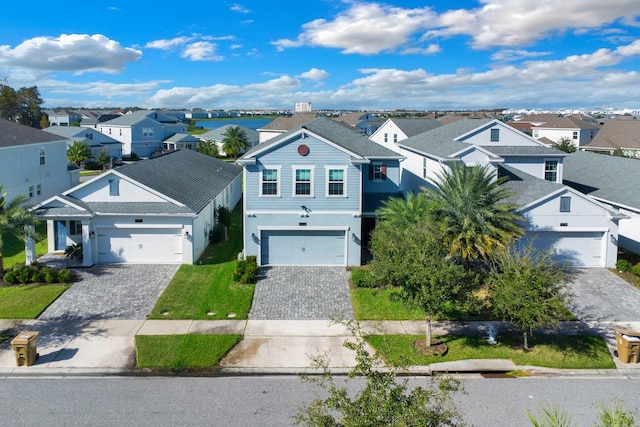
point(112, 291)
point(302, 293)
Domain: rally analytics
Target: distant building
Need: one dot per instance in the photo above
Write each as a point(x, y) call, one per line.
point(303, 107)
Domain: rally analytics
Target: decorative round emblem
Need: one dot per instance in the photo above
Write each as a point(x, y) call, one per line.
point(303, 150)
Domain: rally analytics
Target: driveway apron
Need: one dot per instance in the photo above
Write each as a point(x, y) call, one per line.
point(600, 295)
point(302, 293)
point(112, 291)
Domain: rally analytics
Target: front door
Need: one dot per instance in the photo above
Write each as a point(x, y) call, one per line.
point(60, 231)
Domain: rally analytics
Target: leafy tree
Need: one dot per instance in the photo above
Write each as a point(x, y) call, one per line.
point(412, 257)
point(383, 401)
point(44, 122)
point(234, 141)
point(527, 287)
point(15, 220)
point(103, 159)
point(565, 144)
point(611, 414)
point(207, 147)
point(78, 152)
point(191, 125)
point(469, 203)
point(22, 106)
point(404, 212)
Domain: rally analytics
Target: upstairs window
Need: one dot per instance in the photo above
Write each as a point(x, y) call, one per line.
point(114, 187)
point(147, 132)
point(495, 135)
point(551, 170)
point(39, 189)
point(303, 182)
point(424, 167)
point(395, 137)
point(386, 137)
point(31, 191)
point(335, 182)
point(565, 204)
point(575, 135)
point(269, 182)
point(377, 172)
point(42, 159)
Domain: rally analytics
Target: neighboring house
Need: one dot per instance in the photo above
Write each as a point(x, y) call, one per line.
point(393, 131)
point(619, 134)
point(613, 181)
point(284, 124)
point(570, 225)
point(181, 141)
point(217, 135)
point(537, 119)
point(64, 118)
point(367, 123)
point(159, 210)
point(575, 130)
point(310, 194)
point(95, 140)
point(142, 132)
point(33, 162)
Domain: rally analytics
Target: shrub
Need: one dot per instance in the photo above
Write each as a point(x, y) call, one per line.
point(624, 265)
point(64, 276)
point(246, 270)
point(241, 266)
point(223, 215)
point(217, 233)
point(636, 269)
point(10, 277)
point(51, 275)
point(90, 165)
point(24, 273)
point(362, 278)
point(37, 275)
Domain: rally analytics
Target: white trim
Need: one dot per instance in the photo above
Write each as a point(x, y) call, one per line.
point(544, 168)
point(311, 194)
point(570, 229)
point(143, 226)
point(344, 170)
point(302, 228)
point(254, 213)
point(278, 181)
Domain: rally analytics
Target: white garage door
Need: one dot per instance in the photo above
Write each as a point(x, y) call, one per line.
point(308, 247)
point(140, 246)
point(580, 249)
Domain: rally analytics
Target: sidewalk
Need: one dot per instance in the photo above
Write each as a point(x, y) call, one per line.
point(268, 346)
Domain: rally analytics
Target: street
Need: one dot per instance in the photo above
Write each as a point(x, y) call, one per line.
point(272, 400)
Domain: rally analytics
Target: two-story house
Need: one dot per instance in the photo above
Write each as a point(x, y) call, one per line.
point(33, 163)
point(395, 130)
point(618, 134)
point(308, 190)
point(367, 123)
point(64, 118)
point(578, 131)
point(142, 132)
point(96, 141)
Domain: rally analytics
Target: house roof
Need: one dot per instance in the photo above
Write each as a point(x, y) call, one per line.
point(337, 133)
point(567, 123)
point(524, 150)
point(441, 140)
point(610, 178)
point(71, 132)
point(186, 176)
point(182, 137)
point(217, 134)
point(525, 188)
point(617, 133)
point(412, 127)
point(538, 118)
point(133, 118)
point(356, 118)
point(291, 122)
point(14, 134)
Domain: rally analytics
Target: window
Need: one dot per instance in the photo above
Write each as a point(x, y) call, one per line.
point(39, 189)
point(395, 137)
point(575, 135)
point(114, 187)
point(377, 172)
point(386, 138)
point(565, 204)
point(303, 182)
point(89, 135)
point(109, 131)
point(75, 227)
point(269, 185)
point(535, 133)
point(551, 170)
point(424, 167)
point(120, 132)
point(31, 191)
point(147, 132)
point(495, 135)
point(335, 182)
point(42, 159)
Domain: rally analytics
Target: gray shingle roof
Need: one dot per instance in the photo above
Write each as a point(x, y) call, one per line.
point(182, 137)
point(611, 178)
point(186, 176)
point(412, 127)
point(617, 133)
point(525, 188)
point(350, 140)
point(568, 123)
point(528, 150)
point(287, 123)
point(13, 134)
point(79, 133)
point(133, 118)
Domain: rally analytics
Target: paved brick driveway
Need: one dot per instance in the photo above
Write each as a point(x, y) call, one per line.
point(112, 291)
point(302, 293)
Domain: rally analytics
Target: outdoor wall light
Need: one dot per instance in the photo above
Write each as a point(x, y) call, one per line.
point(186, 234)
point(92, 234)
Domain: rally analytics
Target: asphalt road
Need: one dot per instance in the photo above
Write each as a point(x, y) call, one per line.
point(271, 401)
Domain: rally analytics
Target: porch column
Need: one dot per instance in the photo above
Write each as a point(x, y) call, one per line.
point(88, 239)
point(29, 245)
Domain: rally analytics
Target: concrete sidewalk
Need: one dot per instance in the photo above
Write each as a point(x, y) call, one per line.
point(268, 346)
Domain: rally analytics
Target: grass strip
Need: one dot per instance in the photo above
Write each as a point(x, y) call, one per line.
point(27, 301)
point(550, 351)
point(182, 351)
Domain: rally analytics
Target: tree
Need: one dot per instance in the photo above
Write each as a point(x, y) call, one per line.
point(15, 219)
point(78, 152)
point(611, 414)
point(44, 122)
point(527, 287)
point(207, 147)
point(234, 141)
point(565, 144)
point(383, 401)
point(404, 212)
point(103, 159)
point(22, 106)
point(469, 202)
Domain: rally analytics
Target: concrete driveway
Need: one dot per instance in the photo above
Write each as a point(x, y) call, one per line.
point(112, 291)
point(600, 295)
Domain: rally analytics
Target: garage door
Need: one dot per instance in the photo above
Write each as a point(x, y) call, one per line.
point(140, 246)
point(580, 249)
point(308, 247)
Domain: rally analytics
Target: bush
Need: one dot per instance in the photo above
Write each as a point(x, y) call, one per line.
point(36, 273)
point(241, 266)
point(90, 165)
point(51, 275)
point(10, 277)
point(24, 274)
point(246, 271)
point(624, 265)
point(636, 269)
point(362, 278)
point(217, 233)
point(64, 276)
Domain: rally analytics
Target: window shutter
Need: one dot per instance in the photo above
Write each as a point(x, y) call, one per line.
point(370, 172)
point(383, 171)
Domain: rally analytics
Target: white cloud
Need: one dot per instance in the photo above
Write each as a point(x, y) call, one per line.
point(78, 53)
point(512, 55)
point(179, 97)
point(429, 50)
point(314, 74)
point(167, 44)
point(201, 51)
point(240, 8)
point(235, 46)
point(277, 85)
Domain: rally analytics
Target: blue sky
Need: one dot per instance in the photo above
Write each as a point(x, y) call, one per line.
point(336, 54)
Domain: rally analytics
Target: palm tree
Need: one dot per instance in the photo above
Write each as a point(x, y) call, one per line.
point(234, 141)
point(14, 220)
point(207, 147)
point(404, 212)
point(78, 152)
point(468, 202)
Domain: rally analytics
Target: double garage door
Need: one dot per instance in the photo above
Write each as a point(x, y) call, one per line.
point(302, 247)
point(580, 249)
point(140, 246)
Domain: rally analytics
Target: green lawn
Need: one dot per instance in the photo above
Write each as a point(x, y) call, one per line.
point(14, 248)
point(27, 301)
point(551, 351)
point(182, 351)
point(382, 304)
point(207, 291)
